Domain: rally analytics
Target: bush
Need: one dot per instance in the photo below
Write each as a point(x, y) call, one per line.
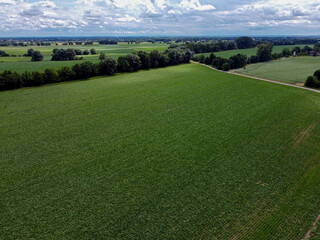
point(312, 82)
point(226, 66)
point(93, 51)
point(86, 52)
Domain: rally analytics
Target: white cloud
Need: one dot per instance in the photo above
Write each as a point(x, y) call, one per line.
point(195, 5)
point(162, 16)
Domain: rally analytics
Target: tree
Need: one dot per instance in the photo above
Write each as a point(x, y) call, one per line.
point(78, 52)
point(265, 52)
point(238, 61)
point(164, 60)
point(93, 51)
point(296, 50)
point(317, 74)
point(134, 62)
point(175, 56)
point(226, 66)
point(123, 64)
point(30, 52)
point(286, 52)
point(307, 49)
point(66, 74)
point(244, 42)
point(63, 55)
point(154, 58)
point(86, 52)
point(36, 56)
point(3, 54)
point(108, 66)
point(37, 78)
point(102, 56)
point(11, 80)
point(212, 57)
point(202, 58)
point(85, 70)
point(145, 60)
point(218, 62)
point(312, 82)
point(50, 76)
point(27, 79)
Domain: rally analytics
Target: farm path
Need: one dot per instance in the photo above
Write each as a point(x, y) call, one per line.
point(261, 79)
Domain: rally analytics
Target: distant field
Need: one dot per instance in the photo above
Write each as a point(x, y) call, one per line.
point(289, 70)
point(251, 51)
point(21, 64)
point(176, 153)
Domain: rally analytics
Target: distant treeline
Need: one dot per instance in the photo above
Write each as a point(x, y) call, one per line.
point(240, 43)
point(107, 66)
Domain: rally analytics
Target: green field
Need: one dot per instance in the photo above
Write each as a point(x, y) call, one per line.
point(289, 70)
point(176, 153)
point(250, 51)
point(21, 64)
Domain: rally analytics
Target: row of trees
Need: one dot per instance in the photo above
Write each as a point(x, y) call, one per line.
point(69, 54)
point(236, 61)
point(107, 66)
point(313, 81)
point(205, 47)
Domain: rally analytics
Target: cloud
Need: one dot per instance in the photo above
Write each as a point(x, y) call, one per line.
point(159, 17)
point(195, 5)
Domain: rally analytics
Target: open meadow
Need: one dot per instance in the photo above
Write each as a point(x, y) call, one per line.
point(21, 64)
point(289, 70)
point(182, 152)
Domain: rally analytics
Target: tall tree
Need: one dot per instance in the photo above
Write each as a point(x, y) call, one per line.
point(265, 52)
point(244, 42)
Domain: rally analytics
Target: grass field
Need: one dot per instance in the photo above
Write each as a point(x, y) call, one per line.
point(289, 70)
point(21, 64)
point(250, 51)
point(176, 153)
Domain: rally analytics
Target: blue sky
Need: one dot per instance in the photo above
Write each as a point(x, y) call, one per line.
point(158, 17)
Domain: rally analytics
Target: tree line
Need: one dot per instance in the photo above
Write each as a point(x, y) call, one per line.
point(264, 54)
point(107, 66)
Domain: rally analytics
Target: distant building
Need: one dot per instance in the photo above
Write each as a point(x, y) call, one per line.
point(313, 53)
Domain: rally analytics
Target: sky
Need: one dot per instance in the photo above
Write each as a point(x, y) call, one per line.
point(20, 18)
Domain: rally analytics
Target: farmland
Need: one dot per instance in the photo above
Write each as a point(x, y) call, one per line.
point(251, 51)
point(21, 64)
point(289, 70)
point(177, 153)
